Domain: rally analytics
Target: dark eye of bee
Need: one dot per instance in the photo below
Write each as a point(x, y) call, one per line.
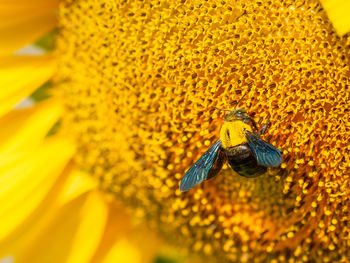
point(228, 133)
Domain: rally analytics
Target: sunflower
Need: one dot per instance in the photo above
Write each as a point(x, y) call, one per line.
point(130, 87)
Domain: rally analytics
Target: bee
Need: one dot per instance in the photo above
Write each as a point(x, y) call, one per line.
point(245, 151)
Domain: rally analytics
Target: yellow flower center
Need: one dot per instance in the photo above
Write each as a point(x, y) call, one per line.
point(140, 78)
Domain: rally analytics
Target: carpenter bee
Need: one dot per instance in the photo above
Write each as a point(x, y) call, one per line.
point(245, 151)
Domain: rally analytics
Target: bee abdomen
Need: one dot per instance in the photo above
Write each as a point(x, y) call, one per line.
point(243, 161)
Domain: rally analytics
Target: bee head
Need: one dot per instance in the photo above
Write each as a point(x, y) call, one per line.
point(238, 115)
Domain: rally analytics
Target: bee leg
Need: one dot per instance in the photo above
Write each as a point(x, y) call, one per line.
point(254, 124)
point(264, 128)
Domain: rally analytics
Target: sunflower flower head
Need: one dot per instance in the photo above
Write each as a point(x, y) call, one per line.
point(139, 79)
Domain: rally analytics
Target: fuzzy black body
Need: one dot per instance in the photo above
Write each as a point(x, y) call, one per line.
point(243, 161)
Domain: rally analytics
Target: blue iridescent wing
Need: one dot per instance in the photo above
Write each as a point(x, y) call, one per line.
point(205, 168)
point(266, 154)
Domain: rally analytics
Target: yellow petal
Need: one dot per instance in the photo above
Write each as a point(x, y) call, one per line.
point(27, 178)
point(124, 251)
point(73, 235)
point(22, 22)
point(78, 183)
point(338, 12)
point(25, 128)
point(90, 231)
point(20, 76)
point(138, 247)
point(117, 226)
point(123, 242)
point(12, 11)
point(27, 233)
